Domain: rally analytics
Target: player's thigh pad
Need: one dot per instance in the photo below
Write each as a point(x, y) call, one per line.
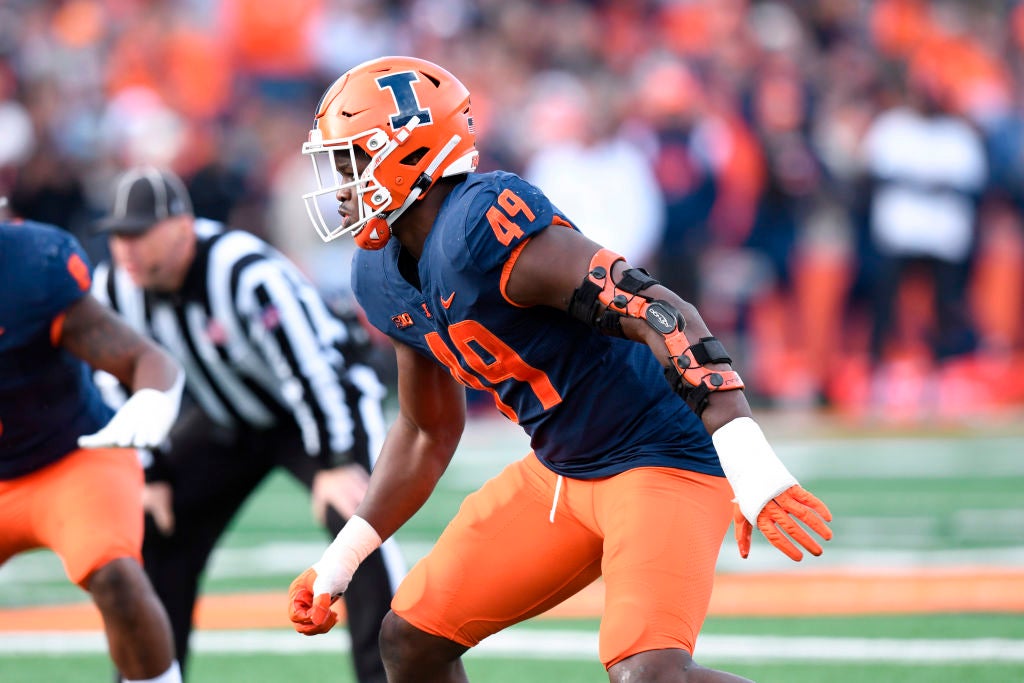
point(17, 528)
point(500, 560)
point(663, 530)
point(88, 509)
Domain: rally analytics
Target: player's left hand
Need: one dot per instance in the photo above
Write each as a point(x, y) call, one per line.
point(158, 501)
point(310, 614)
point(780, 514)
point(143, 421)
point(342, 488)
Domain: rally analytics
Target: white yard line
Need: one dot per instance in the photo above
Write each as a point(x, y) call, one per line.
point(285, 559)
point(558, 644)
point(909, 541)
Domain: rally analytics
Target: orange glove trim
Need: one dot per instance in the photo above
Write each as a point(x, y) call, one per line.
point(781, 515)
point(309, 616)
point(743, 531)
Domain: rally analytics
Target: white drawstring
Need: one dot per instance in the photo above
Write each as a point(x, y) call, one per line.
point(554, 503)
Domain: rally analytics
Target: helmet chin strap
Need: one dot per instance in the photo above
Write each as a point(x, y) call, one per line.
point(377, 231)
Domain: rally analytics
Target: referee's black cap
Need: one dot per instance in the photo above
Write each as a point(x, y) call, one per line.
point(145, 196)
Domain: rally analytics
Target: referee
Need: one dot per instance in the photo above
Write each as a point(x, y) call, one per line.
point(272, 382)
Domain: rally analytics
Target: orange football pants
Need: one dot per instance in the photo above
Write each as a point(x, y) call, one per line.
point(654, 534)
point(86, 507)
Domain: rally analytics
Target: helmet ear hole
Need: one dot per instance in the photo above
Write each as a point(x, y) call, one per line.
point(414, 157)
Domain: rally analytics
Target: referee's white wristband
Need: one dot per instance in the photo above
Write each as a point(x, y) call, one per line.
point(751, 466)
point(356, 540)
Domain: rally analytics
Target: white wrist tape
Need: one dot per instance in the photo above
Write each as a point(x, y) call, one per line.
point(356, 540)
point(751, 466)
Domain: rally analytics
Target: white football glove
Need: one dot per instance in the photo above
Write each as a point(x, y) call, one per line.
point(143, 421)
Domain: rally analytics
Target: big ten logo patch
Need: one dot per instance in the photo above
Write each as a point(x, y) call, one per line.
point(402, 320)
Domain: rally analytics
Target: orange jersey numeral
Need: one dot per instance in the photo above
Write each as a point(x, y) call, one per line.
point(500, 216)
point(506, 364)
point(445, 355)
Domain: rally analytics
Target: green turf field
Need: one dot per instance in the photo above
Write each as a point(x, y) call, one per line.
point(928, 634)
point(932, 500)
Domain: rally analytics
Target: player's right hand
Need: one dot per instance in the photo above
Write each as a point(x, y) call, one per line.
point(310, 612)
point(311, 594)
point(780, 514)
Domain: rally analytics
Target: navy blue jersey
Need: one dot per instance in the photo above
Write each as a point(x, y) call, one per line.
point(592, 405)
point(47, 398)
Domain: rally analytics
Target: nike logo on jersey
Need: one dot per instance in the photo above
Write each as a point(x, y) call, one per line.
point(447, 300)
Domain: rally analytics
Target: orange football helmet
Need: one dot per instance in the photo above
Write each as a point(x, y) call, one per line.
point(412, 118)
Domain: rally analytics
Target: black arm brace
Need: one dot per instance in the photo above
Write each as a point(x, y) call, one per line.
point(602, 303)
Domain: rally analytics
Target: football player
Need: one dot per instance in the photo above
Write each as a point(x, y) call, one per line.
point(70, 479)
point(480, 281)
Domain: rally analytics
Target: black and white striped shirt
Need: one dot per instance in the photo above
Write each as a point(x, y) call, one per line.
point(257, 341)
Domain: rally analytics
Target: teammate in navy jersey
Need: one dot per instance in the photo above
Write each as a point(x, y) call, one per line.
point(480, 281)
point(70, 480)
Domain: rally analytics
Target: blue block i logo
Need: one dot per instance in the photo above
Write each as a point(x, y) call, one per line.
point(400, 85)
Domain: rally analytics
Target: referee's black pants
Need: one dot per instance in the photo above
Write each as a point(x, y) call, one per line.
point(212, 472)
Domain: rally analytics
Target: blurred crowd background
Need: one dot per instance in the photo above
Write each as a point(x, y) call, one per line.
point(837, 184)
